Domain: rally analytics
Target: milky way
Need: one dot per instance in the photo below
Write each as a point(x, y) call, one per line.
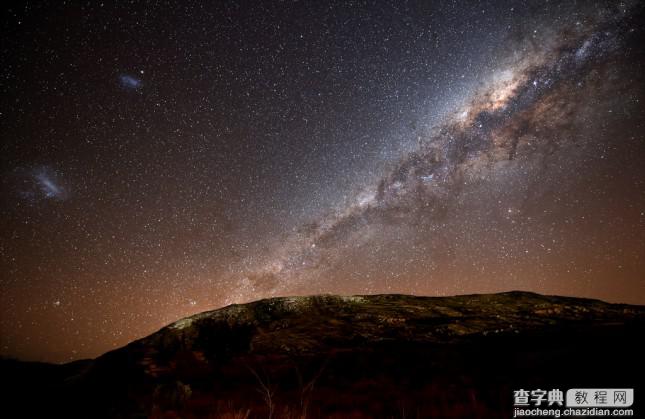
point(159, 162)
point(486, 162)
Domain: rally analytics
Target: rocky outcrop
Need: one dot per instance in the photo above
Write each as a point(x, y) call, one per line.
point(359, 356)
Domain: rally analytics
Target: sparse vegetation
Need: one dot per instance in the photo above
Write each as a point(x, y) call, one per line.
point(392, 356)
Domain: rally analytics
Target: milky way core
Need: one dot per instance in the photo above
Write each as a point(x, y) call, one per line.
point(393, 147)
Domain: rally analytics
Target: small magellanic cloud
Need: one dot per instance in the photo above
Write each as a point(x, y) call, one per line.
point(130, 82)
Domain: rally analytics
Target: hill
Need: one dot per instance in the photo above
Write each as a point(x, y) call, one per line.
point(358, 356)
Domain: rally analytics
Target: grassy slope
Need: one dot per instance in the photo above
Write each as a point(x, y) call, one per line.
point(363, 356)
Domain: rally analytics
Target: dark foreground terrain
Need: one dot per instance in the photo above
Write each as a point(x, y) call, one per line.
point(392, 356)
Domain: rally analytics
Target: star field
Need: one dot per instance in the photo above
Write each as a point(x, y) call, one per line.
point(162, 160)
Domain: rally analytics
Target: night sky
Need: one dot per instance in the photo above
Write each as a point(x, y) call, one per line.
point(160, 160)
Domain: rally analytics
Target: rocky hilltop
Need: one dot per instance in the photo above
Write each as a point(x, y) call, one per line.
point(359, 356)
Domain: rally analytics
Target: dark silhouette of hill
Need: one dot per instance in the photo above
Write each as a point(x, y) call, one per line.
point(362, 356)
